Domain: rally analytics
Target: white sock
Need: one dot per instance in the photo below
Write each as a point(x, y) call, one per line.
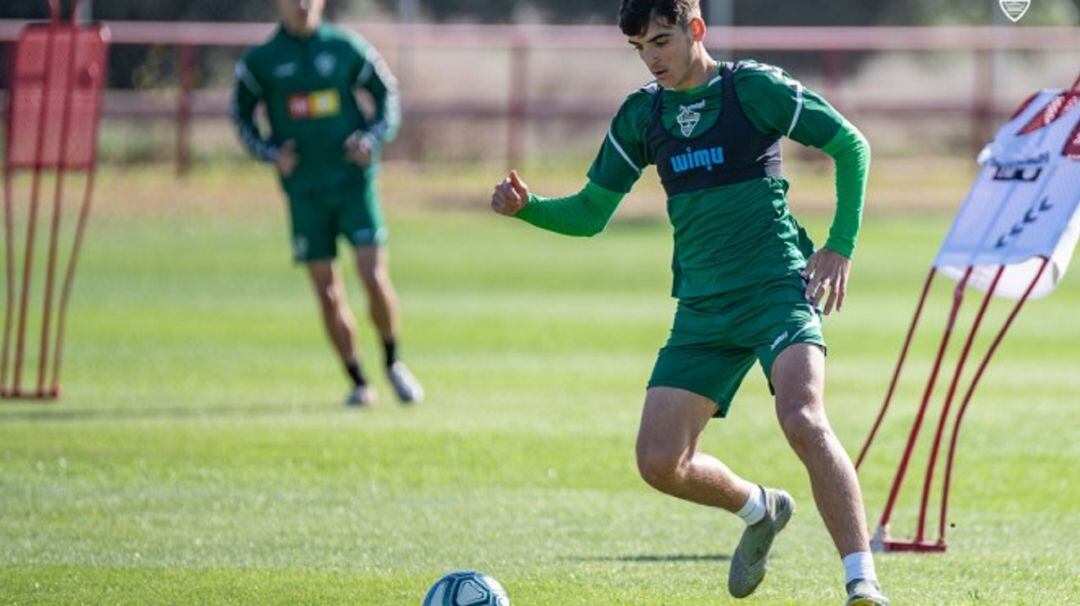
point(859, 565)
point(754, 509)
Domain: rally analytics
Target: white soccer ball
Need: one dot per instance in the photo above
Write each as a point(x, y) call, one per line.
point(466, 588)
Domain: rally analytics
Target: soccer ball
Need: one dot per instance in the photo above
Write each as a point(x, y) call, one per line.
point(466, 588)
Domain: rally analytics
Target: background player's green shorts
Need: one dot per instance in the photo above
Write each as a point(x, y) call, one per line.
point(319, 217)
point(715, 340)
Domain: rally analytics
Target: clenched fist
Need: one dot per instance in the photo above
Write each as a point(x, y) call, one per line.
point(510, 196)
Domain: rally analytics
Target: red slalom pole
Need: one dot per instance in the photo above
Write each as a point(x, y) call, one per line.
point(69, 279)
point(9, 280)
point(971, 391)
point(894, 492)
point(58, 201)
point(31, 228)
point(932, 463)
point(76, 248)
point(899, 366)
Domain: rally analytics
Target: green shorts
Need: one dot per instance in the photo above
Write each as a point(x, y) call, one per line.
point(715, 340)
point(318, 218)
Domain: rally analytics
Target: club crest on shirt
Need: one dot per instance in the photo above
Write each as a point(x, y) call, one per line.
point(689, 117)
point(325, 64)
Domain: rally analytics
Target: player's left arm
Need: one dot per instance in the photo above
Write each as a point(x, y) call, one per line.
point(777, 103)
point(375, 77)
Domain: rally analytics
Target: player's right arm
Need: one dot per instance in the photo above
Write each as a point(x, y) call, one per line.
point(247, 95)
point(585, 213)
point(617, 166)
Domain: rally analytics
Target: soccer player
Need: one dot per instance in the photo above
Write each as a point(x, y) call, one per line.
point(326, 152)
point(748, 280)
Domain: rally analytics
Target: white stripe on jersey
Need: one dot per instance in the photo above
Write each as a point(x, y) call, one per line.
point(365, 73)
point(249, 80)
point(798, 108)
point(622, 153)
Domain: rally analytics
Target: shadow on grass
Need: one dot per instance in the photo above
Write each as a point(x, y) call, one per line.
point(652, 558)
point(46, 412)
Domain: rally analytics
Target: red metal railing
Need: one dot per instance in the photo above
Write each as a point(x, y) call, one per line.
point(831, 44)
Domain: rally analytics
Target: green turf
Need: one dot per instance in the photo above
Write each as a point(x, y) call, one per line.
point(200, 454)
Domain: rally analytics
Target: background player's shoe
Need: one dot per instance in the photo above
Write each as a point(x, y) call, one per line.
point(362, 396)
point(862, 592)
point(748, 564)
point(407, 388)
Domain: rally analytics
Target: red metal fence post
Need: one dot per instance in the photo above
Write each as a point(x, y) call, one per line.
point(184, 109)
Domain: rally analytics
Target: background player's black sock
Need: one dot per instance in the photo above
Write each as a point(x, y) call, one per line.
point(390, 349)
point(353, 368)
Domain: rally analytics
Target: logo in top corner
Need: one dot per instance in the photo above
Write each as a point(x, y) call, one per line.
point(688, 117)
point(1014, 9)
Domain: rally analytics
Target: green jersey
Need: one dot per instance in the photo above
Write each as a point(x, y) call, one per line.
point(731, 236)
point(308, 85)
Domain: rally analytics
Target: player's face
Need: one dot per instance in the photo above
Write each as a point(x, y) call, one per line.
point(301, 16)
point(667, 50)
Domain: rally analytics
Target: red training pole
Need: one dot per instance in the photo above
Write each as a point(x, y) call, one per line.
point(31, 228)
point(69, 279)
point(971, 391)
point(9, 280)
point(76, 246)
point(932, 463)
point(894, 492)
point(58, 205)
point(899, 366)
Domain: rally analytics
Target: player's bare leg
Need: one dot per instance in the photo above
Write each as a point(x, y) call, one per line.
point(798, 375)
point(338, 320)
point(668, 456)
point(670, 461)
point(340, 326)
point(372, 266)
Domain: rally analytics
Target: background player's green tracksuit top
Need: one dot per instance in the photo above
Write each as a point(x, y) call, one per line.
point(307, 85)
point(728, 237)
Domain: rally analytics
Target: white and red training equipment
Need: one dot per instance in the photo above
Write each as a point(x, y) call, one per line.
point(1019, 220)
point(1023, 207)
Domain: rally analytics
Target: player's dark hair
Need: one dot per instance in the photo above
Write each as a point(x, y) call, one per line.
point(635, 15)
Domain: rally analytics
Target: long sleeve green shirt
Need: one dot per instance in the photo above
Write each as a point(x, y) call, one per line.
point(731, 236)
point(307, 86)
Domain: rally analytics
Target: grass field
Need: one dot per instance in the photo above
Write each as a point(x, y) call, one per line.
point(200, 453)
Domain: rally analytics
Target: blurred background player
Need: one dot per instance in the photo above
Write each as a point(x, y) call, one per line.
point(746, 275)
point(326, 152)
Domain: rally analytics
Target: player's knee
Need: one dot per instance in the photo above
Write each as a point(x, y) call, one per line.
point(661, 468)
point(371, 278)
point(372, 275)
point(329, 295)
point(805, 427)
